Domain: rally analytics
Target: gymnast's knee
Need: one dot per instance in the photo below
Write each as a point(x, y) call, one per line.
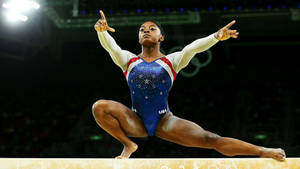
point(211, 139)
point(98, 108)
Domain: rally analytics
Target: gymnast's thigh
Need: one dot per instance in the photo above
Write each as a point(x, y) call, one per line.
point(184, 132)
point(130, 123)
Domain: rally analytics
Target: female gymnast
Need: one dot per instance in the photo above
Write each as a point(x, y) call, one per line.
point(150, 76)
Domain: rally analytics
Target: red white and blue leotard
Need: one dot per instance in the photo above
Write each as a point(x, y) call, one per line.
point(151, 82)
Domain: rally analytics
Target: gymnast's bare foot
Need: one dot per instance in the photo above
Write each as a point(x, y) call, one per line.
point(127, 151)
point(276, 153)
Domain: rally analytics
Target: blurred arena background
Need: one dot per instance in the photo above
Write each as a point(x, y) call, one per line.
point(53, 69)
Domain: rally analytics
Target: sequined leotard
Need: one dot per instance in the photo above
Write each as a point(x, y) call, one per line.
point(150, 82)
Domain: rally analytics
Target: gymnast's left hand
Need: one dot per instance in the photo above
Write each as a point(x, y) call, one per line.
point(226, 33)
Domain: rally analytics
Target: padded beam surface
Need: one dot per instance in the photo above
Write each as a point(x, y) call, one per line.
point(175, 163)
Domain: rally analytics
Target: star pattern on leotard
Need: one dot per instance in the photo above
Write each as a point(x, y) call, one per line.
point(146, 84)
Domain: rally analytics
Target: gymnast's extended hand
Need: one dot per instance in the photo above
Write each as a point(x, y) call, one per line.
point(101, 25)
point(226, 33)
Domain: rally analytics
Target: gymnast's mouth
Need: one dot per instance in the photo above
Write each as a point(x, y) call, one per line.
point(146, 36)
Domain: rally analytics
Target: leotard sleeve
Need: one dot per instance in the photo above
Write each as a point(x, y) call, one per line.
point(119, 56)
point(181, 59)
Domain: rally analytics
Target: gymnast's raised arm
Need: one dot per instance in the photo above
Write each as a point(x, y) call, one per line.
point(119, 56)
point(182, 58)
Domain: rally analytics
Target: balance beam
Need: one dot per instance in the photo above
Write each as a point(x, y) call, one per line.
point(144, 163)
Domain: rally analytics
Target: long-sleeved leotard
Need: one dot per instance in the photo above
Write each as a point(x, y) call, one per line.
point(150, 82)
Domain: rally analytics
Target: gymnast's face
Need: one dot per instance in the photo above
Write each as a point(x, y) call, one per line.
point(149, 34)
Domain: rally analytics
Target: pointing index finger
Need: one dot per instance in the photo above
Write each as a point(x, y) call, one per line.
point(230, 24)
point(102, 15)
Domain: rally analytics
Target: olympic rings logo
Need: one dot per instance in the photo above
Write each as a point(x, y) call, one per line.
point(195, 62)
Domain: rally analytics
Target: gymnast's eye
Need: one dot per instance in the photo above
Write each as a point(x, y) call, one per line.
point(152, 29)
point(142, 29)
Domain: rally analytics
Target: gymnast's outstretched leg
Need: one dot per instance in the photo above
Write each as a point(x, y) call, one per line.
point(187, 133)
point(120, 122)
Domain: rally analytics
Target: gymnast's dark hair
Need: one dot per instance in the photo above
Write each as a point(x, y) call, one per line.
point(162, 31)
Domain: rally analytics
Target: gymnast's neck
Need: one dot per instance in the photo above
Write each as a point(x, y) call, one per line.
point(151, 52)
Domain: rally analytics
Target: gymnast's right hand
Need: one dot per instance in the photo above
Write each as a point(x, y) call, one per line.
point(101, 24)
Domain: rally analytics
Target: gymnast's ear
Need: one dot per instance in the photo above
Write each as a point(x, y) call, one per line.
point(162, 38)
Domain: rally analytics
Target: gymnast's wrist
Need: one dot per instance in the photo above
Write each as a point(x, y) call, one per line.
point(216, 35)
